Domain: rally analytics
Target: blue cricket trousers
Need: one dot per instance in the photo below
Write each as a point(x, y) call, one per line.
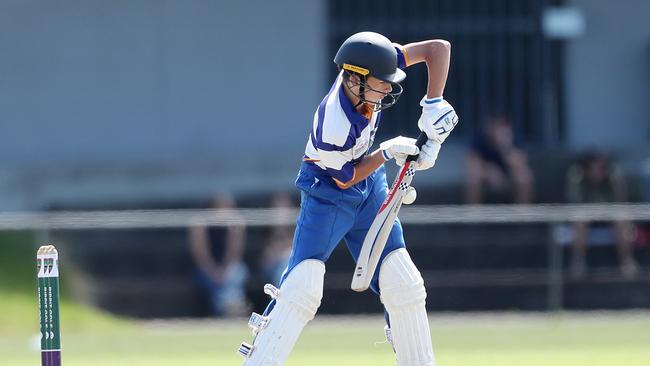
point(329, 214)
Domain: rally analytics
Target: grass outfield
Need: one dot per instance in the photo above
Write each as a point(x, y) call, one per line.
point(588, 339)
point(92, 338)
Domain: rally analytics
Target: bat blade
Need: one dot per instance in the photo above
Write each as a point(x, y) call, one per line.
point(375, 240)
point(377, 235)
point(373, 246)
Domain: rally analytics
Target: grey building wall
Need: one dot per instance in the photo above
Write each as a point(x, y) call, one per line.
point(150, 100)
point(154, 99)
point(608, 76)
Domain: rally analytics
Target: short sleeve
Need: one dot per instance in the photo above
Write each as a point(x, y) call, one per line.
point(402, 57)
point(337, 165)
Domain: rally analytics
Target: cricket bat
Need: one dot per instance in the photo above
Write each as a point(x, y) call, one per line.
point(375, 240)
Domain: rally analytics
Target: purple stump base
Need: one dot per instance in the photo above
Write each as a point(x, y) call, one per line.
point(51, 358)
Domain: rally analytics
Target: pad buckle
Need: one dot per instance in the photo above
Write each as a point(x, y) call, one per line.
point(272, 291)
point(245, 350)
point(389, 336)
point(258, 322)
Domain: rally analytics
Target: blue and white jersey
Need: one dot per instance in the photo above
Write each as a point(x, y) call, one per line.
point(340, 135)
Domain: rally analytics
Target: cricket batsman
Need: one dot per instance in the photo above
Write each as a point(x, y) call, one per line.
point(343, 185)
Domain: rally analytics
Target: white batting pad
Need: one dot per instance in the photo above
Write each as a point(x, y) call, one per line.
point(296, 304)
point(402, 292)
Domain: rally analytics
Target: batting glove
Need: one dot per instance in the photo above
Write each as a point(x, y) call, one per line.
point(438, 119)
point(398, 148)
point(428, 155)
point(427, 158)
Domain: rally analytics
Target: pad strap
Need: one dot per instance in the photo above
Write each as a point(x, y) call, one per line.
point(278, 332)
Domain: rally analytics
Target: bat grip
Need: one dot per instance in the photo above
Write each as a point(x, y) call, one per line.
point(422, 139)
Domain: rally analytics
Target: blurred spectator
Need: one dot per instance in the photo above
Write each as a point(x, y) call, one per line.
point(277, 250)
point(594, 179)
point(218, 254)
point(495, 161)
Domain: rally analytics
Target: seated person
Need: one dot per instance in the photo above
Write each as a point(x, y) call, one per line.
point(596, 180)
point(276, 252)
point(495, 161)
point(219, 257)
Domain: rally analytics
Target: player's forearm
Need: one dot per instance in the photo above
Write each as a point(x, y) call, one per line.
point(364, 168)
point(436, 54)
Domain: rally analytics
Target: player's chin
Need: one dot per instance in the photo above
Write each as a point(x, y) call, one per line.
point(377, 103)
point(376, 99)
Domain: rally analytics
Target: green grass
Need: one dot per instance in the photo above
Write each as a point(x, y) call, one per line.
point(98, 339)
point(18, 306)
point(17, 261)
point(590, 339)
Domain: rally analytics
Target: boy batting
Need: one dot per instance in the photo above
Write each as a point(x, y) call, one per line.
point(343, 185)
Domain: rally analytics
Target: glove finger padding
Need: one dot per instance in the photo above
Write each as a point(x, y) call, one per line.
point(428, 155)
point(405, 150)
point(438, 118)
point(399, 148)
point(400, 160)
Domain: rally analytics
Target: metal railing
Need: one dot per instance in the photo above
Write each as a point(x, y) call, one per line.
point(551, 215)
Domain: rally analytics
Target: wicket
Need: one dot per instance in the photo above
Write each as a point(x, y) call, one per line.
point(47, 264)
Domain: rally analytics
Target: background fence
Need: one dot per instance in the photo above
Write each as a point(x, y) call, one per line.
point(486, 257)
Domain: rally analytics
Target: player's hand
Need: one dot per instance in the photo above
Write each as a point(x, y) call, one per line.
point(426, 159)
point(428, 155)
point(398, 148)
point(438, 119)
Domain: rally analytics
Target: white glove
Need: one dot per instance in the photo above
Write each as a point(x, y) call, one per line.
point(426, 159)
point(428, 155)
point(438, 118)
point(398, 148)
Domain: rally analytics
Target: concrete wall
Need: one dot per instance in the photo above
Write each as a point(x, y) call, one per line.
point(154, 99)
point(608, 76)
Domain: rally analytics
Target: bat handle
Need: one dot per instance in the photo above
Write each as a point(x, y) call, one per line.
point(422, 139)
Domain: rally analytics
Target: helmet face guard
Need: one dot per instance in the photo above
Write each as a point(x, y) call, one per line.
point(368, 54)
point(387, 101)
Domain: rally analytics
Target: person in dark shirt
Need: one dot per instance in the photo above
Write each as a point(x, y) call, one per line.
point(494, 160)
point(276, 252)
point(218, 254)
point(594, 179)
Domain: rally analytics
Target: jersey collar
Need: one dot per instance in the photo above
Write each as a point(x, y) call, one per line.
point(353, 115)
